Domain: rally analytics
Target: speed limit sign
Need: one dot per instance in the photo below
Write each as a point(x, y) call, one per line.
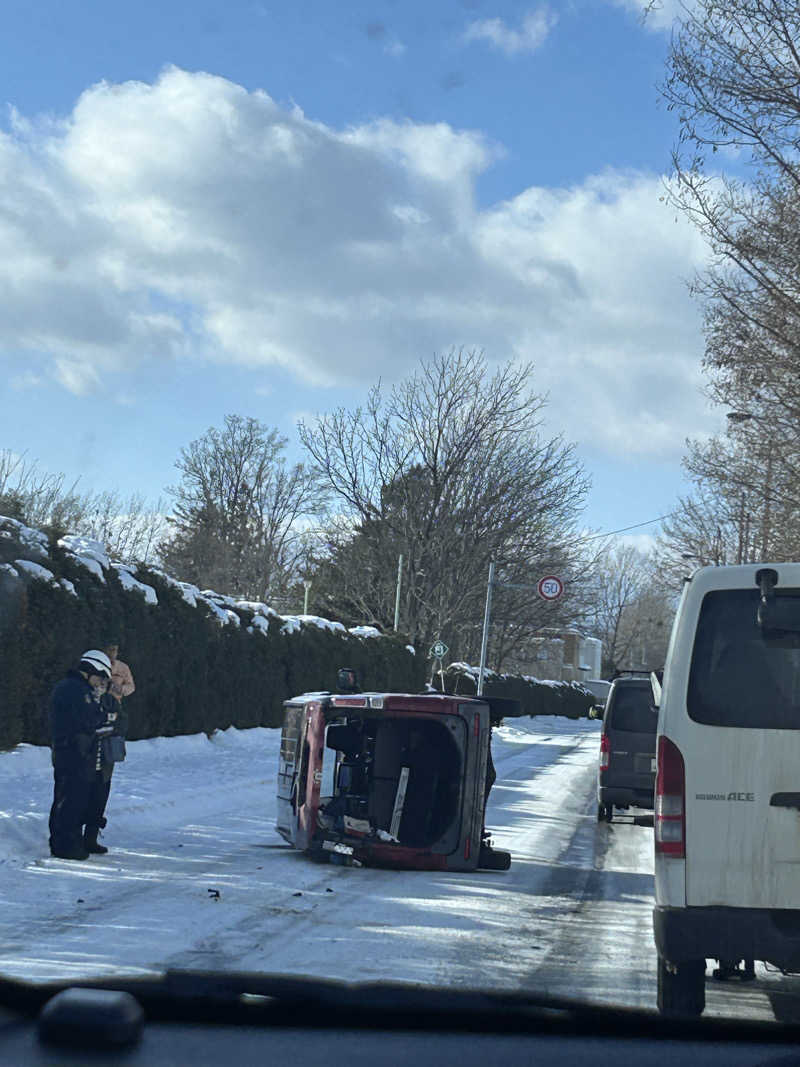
point(550, 587)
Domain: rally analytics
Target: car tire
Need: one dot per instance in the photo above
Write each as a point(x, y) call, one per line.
point(609, 812)
point(682, 992)
point(601, 812)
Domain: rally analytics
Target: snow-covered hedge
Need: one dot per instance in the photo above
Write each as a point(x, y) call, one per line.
point(202, 661)
point(537, 697)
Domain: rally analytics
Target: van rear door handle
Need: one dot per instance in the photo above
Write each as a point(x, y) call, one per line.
point(785, 800)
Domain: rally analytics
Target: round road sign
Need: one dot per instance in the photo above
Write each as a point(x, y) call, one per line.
point(550, 587)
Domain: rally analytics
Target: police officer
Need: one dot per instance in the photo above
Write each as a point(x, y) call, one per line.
point(76, 724)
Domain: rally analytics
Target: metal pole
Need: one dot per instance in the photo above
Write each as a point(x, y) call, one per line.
point(740, 553)
point(307, 585)
point(397, 594)
point(485, 640)
point(766, 518)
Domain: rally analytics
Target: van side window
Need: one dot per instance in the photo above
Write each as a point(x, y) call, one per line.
point(739, 675)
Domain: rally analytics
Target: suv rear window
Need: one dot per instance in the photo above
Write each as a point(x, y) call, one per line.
point(739, 675)
point(632, 708)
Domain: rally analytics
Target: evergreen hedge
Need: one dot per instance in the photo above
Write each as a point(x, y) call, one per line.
point(192, 673)
point(535, 696)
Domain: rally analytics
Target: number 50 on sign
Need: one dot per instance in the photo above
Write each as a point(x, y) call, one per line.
point(550, 587)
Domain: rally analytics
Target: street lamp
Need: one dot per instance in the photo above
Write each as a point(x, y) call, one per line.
point(739, 416)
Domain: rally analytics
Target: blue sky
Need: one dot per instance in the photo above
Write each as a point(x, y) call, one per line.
point(267, 206)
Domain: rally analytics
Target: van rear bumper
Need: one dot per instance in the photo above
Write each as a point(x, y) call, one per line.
point(770, 935)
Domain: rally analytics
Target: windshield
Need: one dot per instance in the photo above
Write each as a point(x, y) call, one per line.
point(631, 709)
point(348, 362)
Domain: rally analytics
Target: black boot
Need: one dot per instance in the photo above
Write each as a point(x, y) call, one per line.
point(73, 852)
point(90, 842)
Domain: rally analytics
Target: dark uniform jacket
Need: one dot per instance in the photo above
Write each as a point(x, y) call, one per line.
point(74, 716)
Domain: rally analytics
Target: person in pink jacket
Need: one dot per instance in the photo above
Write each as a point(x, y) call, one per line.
point(122, 683)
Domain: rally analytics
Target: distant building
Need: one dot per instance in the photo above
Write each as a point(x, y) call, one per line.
point(561, 655)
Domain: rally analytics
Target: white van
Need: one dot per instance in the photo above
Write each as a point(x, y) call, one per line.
point(727, 801)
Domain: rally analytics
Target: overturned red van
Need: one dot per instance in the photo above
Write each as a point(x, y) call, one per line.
point(388, 779)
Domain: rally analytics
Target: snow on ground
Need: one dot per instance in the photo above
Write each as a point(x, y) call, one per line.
point(191, 814)
point(573, 915)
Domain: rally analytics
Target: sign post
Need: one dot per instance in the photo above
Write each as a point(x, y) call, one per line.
point(485, 639)
point(397, 594)
point(549, 588)
point(438, 651)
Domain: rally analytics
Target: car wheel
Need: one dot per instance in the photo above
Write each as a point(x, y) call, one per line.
point(609, 812)
point(682, 990)
point(601, 812)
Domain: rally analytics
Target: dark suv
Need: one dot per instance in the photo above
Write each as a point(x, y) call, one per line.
point(627, 772)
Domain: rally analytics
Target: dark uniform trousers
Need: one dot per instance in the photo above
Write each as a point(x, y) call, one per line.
point(96, 800)
point(71, 790)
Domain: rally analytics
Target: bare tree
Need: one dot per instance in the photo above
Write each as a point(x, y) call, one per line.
point(130, 528)
point(732, 79)
point(745, 506)
point(449, 469)
point(620, 581)
point(40, 498)
point(239, 510)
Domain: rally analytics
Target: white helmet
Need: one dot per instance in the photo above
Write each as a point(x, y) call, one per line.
point(96, 662)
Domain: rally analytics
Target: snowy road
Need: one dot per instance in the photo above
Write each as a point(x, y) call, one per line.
point(189, 815)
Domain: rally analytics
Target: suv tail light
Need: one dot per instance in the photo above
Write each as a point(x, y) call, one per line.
point(670, 807)
point(605, 752)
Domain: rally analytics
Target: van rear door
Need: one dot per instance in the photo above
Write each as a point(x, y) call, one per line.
point(741, 743)
point(630, 725)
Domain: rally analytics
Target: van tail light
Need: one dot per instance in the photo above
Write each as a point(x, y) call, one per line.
point(605, 752)
point(670, 801)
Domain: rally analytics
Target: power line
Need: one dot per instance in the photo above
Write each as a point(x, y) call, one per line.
point(624, 529)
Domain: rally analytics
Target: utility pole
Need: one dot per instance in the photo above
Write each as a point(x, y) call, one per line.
point(397, 594)
point(767, 494)
point(740, 554)
point(485, 639)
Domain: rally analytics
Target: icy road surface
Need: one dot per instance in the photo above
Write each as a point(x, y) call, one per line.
point(190, 818)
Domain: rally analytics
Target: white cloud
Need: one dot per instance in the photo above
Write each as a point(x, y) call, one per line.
point(192, 219)
point(533, 32)
point(645, 542)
